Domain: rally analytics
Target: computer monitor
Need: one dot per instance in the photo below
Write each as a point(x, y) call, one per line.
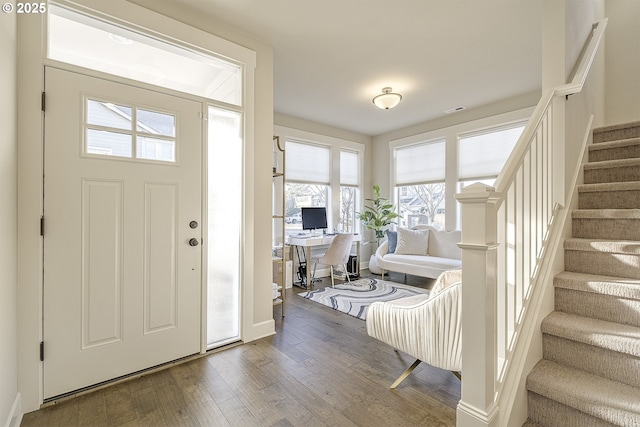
point(314, 218)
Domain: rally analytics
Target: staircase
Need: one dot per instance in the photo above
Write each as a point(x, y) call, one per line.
point(590, 371)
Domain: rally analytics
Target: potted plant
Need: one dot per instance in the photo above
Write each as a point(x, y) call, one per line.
point(378, 216)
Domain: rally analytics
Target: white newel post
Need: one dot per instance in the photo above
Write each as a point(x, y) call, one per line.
point(477, 406)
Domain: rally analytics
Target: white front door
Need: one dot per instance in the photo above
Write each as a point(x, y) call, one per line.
point(122, 209)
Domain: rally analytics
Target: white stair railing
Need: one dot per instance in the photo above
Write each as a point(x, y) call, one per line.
point(505, 231)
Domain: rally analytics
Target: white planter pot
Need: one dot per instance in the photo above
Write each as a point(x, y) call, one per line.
point(373, 265)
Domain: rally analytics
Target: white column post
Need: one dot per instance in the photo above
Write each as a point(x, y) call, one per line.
point(477, 406)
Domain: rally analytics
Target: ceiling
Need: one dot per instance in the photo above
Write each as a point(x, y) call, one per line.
point(331, 57)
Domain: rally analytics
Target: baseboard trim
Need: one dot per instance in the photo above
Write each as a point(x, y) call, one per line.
point(15, 415)
point(263, 329)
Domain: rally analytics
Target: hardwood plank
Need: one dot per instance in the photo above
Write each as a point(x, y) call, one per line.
point(321, 368)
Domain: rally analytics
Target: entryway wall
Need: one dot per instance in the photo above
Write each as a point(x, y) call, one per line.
point(257, 308)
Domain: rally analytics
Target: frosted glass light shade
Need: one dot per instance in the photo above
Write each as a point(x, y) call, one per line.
point(387, 99)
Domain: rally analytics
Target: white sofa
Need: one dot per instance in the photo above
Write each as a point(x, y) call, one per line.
point(443, 254)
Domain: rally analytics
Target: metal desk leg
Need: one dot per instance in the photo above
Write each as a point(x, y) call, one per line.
point(307, 258)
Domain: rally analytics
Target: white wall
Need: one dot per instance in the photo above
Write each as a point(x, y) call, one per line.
point(623, 61)
point(580, 15)
point(8, 220)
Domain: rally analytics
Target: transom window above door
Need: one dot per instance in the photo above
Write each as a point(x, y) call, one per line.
point(88, 42)
point(127, 131)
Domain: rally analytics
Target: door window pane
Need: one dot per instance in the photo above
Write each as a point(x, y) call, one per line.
point(155, 149)
point(110, 132)
point(224, 206)
point(107, 143)
point(156, 123)
point(108, 115)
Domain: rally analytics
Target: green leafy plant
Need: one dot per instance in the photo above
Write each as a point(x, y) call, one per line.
point(379, 215)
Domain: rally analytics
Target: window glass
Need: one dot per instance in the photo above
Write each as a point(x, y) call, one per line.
point(91, 43)
point(108, 114)
point(109, 131)
point(156, 123)
point(421, 204)
point(302, 195)
point(348, 208)
point(107, 143)
point(155, 149)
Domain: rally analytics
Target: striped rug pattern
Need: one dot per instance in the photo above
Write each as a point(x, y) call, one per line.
point(354, 298)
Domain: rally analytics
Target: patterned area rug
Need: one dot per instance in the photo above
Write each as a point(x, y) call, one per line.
point(354, 298)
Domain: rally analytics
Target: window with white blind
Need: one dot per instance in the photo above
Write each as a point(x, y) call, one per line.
point(483, 154)
point(420, 163)
point(308, 163)
point(419, 175)
point(349, 173)
point(308, 177)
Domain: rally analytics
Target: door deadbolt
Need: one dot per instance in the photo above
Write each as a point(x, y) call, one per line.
point(193, 224)
point(193, 242)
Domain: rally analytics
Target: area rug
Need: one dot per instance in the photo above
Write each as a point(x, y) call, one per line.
point(354, 298)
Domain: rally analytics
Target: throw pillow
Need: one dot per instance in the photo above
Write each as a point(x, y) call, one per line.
point(412, 242)
point(392, 238)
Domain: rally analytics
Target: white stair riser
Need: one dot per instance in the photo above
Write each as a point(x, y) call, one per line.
point(603, 263)
point(548, 412)
point(605, 228)
point(597, 306)
point(593, 359)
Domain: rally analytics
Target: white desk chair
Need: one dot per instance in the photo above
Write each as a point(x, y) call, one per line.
point(337, 254)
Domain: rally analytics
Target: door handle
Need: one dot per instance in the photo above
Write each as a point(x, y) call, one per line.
point(194, 242)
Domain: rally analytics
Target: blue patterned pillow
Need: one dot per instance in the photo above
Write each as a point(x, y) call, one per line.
point(392, 237)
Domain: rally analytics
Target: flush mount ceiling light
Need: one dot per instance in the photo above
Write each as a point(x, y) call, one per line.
point(387, 99)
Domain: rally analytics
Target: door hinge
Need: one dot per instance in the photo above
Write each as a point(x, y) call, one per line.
point(42, 351)
point(42, 101)
point(42, 226)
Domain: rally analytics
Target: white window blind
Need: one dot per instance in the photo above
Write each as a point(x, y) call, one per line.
point(483, 155)
point(348, 168)
point(420, 163)
point(308, 163)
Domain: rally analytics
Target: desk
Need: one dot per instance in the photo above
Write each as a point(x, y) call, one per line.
point(309, 242)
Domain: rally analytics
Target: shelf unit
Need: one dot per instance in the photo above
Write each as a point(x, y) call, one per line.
point(279, 251)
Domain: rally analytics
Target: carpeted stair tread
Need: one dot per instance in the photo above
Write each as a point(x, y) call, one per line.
point(606, 285)
point(628, 247)
point(608, 335)
point(609, 186)
point(606, 224)
point(612, 150)
point(620, 170)
point(609, 400)
point(606, 214)
point(530, 423)
point(607, 145)
point(612, 164)
point(618, 131)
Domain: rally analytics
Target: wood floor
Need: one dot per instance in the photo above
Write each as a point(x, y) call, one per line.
point(320, 369)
